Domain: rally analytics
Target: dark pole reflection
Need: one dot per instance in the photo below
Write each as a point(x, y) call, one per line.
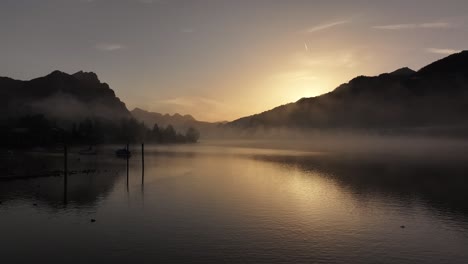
point(128, 155)
point(65, 174)
point(142, 164)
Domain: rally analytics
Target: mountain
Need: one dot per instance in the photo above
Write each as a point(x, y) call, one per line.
point(62, 96)
point(179, 122)
point(150, 118)
point(435, 96)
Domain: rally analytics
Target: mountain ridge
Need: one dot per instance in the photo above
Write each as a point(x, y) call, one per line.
point(402, 98)
point(61, 95)
point(178, 121)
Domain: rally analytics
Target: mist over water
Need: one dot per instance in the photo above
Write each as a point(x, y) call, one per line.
point(244, 131)
point(241, 202)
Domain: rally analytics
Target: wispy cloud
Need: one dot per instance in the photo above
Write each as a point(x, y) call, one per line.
point(295, 75)
point(348, 59)
point(442, 51)
point(137, 1)
point(109, 46)
point(326, 26)
point(431, 25)
point(187, 30)
point(191, 101)
point(147, 1)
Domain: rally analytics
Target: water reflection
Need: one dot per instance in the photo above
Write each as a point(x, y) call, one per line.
point(39, 179)
point(439, 184)
point(213, 204)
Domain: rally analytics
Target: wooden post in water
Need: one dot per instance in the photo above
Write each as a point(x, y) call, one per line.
point(142, 163)
point(65, 173)
point(127, 156)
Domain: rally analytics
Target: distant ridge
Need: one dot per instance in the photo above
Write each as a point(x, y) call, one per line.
point(434, 96)
point(405, 71)
point(176, 116)
point(178, 121)
point(150, 118)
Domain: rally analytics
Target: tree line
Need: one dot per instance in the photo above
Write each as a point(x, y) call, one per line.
point(37, 130)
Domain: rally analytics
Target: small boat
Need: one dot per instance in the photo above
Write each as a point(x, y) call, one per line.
point(88, 151)
point(123, 153)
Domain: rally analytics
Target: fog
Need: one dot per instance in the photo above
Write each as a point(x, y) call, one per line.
point(66, 107)
point(349, 141)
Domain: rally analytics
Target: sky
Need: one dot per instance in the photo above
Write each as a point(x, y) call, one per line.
point(221, 60)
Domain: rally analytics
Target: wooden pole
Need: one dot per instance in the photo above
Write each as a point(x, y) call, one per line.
point(65, 173)
point(127, 164)
point(142, 163)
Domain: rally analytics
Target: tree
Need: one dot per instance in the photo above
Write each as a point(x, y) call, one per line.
point(169, 134)
point(192, 135)
point(156, 134)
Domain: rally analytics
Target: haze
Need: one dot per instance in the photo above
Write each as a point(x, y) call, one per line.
point(221, 60)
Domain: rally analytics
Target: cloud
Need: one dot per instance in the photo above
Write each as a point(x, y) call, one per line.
point(442, 51)
point(109, 46)
point(187, 30)
point(326, 26)
point(431, 25)
point(190, 101)
point(347, 59)
point(138, 1)
point(295, 76)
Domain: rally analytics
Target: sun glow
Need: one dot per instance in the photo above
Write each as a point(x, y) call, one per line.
point(291, 86)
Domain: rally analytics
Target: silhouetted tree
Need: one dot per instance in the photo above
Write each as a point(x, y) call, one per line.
point(156, 134)
point(30, 131)
point(180, 138)
point(169, 134)
point(192, 135)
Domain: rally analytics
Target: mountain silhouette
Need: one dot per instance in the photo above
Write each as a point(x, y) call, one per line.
point(62, 96)
point(178, 121)
point(436, 96)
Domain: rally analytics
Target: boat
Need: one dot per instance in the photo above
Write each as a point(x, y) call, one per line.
point(123, 153)
point(88, 151)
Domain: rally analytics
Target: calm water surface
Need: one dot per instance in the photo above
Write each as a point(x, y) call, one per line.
point(210, 204)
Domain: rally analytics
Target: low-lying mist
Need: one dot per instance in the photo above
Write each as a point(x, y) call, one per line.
point(354, 142)
point(64, 106)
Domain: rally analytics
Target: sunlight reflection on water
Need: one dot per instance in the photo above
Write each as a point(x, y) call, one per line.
point(225, 204)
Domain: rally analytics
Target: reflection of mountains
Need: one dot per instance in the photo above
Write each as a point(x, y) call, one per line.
point(440, 184)
point(96, 178)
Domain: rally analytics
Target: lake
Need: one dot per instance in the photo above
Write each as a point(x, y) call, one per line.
point(205, 203)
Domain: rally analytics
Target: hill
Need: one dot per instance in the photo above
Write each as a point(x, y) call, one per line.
point(178, 121)
point(435, 97)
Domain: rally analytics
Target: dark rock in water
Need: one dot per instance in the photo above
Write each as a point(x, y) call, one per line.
point(402, 226)
point(93, 220)
point(34, 204)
